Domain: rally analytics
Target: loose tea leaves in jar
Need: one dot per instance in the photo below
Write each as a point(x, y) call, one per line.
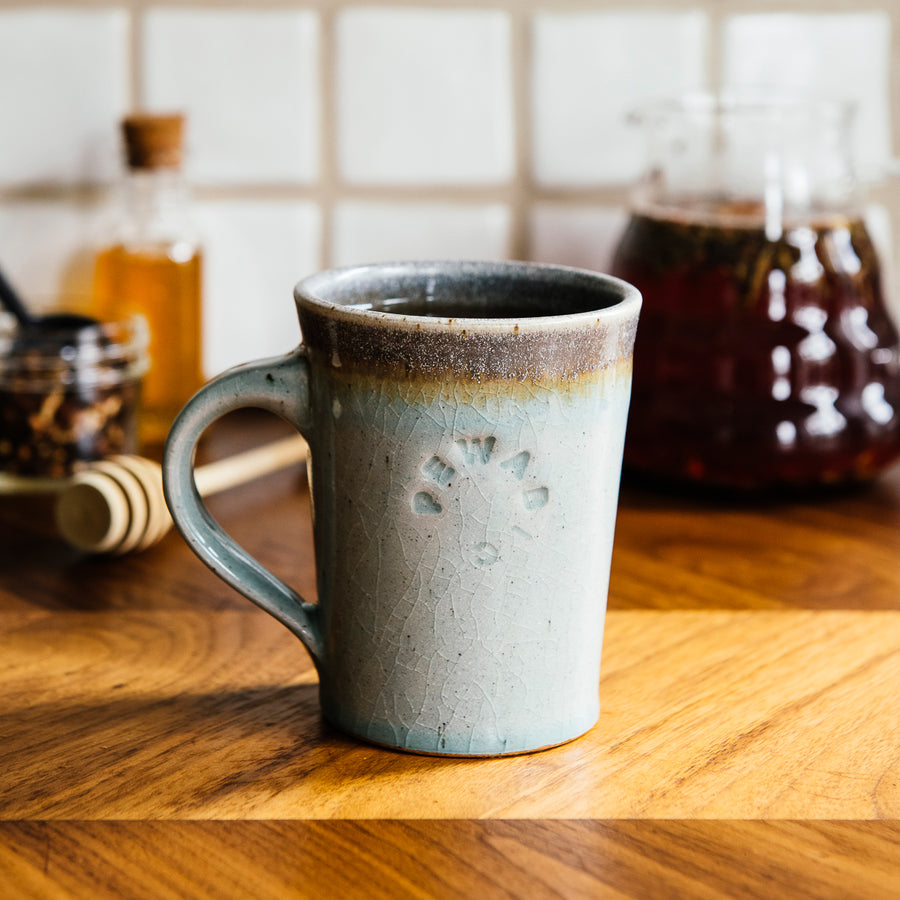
point(68, 397)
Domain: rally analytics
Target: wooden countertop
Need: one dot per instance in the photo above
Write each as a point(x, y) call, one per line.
point(160, 736)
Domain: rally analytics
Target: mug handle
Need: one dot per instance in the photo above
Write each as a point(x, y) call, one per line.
point(280, 385)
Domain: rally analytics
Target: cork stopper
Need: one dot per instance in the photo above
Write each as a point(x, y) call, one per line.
point(153, 141)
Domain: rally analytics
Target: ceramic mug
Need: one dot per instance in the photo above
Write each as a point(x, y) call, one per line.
point(466, 423)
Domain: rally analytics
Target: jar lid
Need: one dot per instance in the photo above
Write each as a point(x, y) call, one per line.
point(153, 140)
point(106, 353)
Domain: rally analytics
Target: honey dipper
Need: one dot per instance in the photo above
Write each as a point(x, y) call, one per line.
point(117, 505)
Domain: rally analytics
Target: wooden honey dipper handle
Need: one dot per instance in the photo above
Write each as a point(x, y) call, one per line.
point(117, 505)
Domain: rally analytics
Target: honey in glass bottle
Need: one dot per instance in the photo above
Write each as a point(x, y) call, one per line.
point(152, 266)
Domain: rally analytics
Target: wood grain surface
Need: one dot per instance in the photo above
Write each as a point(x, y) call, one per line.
point(160, 737)
point(704, 715)
point(451, 859)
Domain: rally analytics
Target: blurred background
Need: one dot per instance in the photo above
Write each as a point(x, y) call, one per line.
point(329, 133)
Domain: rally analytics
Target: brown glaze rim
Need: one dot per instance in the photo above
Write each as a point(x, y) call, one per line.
point(471, 348)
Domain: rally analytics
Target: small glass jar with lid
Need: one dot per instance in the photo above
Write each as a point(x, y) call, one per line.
point(68, 397)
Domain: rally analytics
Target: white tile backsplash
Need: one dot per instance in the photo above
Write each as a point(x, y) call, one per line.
point(583, 237)
point(249, 80)
point(45, 249)
point(424, 96)
point(590, 70)
point(254, 254)
point(413, 129)
point(843, 55)
point(367, 232)
point(63, 85)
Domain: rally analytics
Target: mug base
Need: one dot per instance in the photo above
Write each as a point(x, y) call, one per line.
point(487, 754)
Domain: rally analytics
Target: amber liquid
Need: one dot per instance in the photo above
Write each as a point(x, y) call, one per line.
point(761, 360)
point(166, 290)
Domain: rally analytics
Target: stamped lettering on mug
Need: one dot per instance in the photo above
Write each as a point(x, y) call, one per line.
point(477, 450)
point(480, 460)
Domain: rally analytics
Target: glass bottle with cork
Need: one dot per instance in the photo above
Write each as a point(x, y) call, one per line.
point(152, 266)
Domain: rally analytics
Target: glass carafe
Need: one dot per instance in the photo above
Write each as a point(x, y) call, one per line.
point(766, 354)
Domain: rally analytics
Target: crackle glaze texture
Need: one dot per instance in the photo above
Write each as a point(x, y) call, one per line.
point(465, 472)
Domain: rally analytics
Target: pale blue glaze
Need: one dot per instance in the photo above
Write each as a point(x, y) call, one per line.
point(464, 553)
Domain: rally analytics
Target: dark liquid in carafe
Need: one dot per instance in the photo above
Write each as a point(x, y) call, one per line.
point(762, 359)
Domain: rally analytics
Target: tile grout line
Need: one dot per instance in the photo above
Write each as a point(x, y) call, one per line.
point(328, 175)
point(519, 200)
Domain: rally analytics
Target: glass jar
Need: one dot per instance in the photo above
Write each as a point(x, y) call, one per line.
point(68, 397)
point(766, 354)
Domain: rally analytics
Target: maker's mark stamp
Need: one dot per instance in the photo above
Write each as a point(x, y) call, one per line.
point(479, 464)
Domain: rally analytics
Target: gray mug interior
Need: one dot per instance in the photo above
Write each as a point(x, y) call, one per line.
point(479, 290)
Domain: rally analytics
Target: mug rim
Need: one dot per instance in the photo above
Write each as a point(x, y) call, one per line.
point(626, 297)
